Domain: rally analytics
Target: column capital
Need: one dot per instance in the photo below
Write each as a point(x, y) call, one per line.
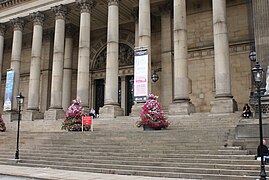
point(60, 11)
point(3, 29)
point(85, 5)
point(38, 18)
point(17, 23)
point(113, 2)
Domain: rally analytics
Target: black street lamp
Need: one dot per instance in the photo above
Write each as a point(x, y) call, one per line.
point(154, 77)
point(19, 103)
point(257, 72)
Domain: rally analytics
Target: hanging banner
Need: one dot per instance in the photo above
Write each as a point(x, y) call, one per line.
point(141, 75)
point(9, 90)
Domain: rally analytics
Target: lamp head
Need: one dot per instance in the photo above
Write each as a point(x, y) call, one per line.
point(252, 56)
point(154, 77)
point(257, 72)
point(20, 99)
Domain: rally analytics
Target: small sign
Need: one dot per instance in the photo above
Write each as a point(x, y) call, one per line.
point(87, 120)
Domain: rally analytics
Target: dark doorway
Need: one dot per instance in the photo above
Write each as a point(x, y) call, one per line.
point(130, 94)
point(100, 94)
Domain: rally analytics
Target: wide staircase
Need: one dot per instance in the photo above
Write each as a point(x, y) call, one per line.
point(198, 146)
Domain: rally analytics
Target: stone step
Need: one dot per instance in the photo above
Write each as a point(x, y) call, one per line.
point(142, 170)
point(135, 149)
point(193, 172)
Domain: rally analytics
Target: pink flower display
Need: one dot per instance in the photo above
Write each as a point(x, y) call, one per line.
point(73, 117)
point(152, 114)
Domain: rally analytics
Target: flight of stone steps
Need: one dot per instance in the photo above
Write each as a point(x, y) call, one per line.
point(195, 147)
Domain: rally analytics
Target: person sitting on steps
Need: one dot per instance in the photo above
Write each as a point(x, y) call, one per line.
point(246, 111)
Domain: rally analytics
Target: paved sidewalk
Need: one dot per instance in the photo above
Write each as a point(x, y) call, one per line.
point(56, 174)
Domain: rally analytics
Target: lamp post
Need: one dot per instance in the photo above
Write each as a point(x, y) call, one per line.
point(19, 103)
point(257, 72)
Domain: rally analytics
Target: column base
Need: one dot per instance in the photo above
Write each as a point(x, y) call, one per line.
point(31, 115)
point(223, 105)
point(136, 110)
point(54, 114)
point(181, 108)
point(110, 111)
point(10, 116)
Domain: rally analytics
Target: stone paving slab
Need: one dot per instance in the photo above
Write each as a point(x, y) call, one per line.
point(56, 174)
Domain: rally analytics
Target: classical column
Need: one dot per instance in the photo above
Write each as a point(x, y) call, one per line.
point(32, 112)
point(181, 101)
point(111, 107)
point(135, 17)
point(2, 39)
point(68, 62)
point(84, 52)
point(166, 57)
point(18, 25)
point(144, 41)
point(123, 93)
point(223, 102)
point(56, 111)
point(46, 69)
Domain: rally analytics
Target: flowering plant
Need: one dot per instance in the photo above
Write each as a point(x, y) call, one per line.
point(152, 114)
point(73, 117)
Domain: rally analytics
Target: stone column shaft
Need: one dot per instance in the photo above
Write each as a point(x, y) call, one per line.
point(166, 59)
point(111, 106)
point(58, 58)
point(221, 50)
point(16, 57)
point(67, 78)
point(144, 27)
point(34, 83)
point(181, 82)
point(112, 63)
point(181, 103)
point(2, 39)
point(223, 102)
point(84, 52)
point(123, 93)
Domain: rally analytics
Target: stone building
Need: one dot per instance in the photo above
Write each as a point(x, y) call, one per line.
point(66, 49)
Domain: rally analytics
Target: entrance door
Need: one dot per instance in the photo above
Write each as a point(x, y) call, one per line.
point(130, 94)
point(100, 94)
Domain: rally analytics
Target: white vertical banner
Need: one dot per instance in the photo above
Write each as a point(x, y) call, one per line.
point(141, 75)
point(9, 90)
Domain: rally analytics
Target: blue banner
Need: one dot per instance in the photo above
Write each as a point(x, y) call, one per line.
point(9, 90)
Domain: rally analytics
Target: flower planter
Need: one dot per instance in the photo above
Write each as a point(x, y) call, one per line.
point(150, 128)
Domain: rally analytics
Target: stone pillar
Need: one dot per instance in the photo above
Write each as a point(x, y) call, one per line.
point(181, 102)
point(68, 62)
point(2, 39)
point(223, 102)
point(111, 107)
point(18, 25)
point(123, 93)
point(144, 41)
point(84, 52)
point(56, 111)
point(166, 57)
point(46, 68)
point(32, 112)
point(135, 17)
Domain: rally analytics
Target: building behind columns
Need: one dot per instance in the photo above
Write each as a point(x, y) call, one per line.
point(64, 51)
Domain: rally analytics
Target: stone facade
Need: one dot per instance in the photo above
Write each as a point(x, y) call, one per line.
point(201, 81)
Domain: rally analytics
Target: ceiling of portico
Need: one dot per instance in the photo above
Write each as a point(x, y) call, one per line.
point(98, 15)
